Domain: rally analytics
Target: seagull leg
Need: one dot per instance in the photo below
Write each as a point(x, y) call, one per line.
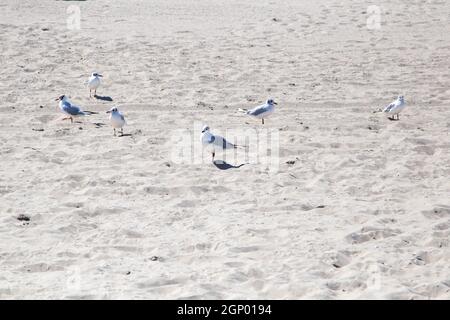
point(95, 92)
point(213, 155)
point(114, 132)
point(121, 132)
point(90, 93)
point(262, 120)
point(71, 120)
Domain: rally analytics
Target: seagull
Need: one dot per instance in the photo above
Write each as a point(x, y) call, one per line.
point(262, 111)
point(117, 119)
point(93, 83)
point(70, 109)
point(214, 142)
point(395, 108)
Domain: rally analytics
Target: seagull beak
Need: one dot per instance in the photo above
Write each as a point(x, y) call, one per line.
point(100, 76)
point(109, 111)
point(57, 99)
point(275, 102)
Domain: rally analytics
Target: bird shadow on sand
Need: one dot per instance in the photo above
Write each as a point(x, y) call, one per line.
point(125, 135)
point(99, 124)
point(222, 165)
point(103, 98)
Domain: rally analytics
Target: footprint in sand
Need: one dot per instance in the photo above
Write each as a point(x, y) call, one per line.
point(371, 233)
point(437, 212)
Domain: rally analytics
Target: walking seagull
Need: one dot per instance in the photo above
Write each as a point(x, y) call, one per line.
point(93, 83)
point(395, 108)
point(262, 111)
point(214, 142)
point(70, 109)
point(117, 119)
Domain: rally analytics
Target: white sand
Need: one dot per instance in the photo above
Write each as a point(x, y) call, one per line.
point(102, 207)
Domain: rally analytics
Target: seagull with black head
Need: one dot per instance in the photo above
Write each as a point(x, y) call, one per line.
point(71, 110)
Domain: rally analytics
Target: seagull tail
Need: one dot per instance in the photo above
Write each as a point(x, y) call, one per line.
point(243, 110)
point(240, 147)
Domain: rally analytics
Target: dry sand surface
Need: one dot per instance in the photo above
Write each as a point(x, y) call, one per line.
point(358, 207)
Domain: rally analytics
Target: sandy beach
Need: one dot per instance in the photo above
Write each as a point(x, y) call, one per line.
point(350, 205)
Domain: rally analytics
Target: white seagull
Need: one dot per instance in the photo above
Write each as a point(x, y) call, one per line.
point(214, 142)
point(262, 111)
point(70, 109)
point(117, 119)
point(395, 108)
point(93, 83)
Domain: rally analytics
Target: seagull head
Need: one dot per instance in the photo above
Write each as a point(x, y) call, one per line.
point(112, 110)
point(401, 98)
point(61, 98)
point(205, 129)
point(271, 102)
point(95, 74)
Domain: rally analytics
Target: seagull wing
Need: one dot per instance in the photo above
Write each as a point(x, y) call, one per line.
point(258, 110)
point(222, 143)
point(390, 107)
point(71, 109)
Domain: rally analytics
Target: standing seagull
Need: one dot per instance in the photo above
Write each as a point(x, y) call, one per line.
point(262, 111)
point(213, 142)
point(70, 109)
point(117, 119)
point(94, 83)
point(395, 107)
